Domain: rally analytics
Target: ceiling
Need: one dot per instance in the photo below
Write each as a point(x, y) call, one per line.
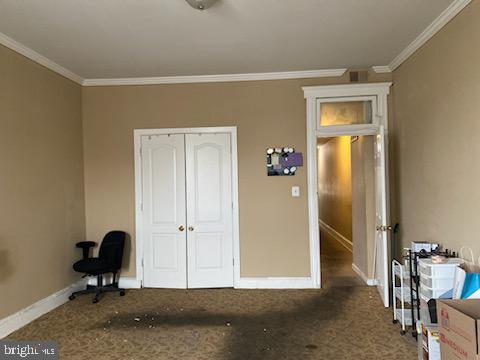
point(149, 38)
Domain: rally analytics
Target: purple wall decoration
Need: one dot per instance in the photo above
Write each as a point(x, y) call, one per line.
point(283, 161)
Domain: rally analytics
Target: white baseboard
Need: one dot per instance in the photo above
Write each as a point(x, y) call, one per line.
point(369, 282)
point(275, 283)
point(125, 282)
point(34, 311)
point(346, 243)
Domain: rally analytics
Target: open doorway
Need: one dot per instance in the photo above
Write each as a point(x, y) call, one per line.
point(351, 110)
point(346, 209)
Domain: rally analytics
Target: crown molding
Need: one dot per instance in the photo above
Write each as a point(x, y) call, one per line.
point(215, 78)
point(382, 69)
point(40, 59)
point(442, 20)
point(447, 15)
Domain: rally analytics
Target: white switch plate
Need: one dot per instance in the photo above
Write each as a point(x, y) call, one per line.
point(295, 191)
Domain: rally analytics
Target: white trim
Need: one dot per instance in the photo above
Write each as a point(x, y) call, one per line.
point(352, 130)
point(313, 229)
point(382, 69)
point(124, 282)
point(236, 208)
point(40, 59)
point(442, 20)
point(369, 282)
point(137, 148)
point(275, 283)
point(137, 135)
point(347, 90)
point(215, 78)
point(21, 318)
point(312, 94)
point(342, 240)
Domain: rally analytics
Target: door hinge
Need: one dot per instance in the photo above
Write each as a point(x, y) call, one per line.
point(233, 262)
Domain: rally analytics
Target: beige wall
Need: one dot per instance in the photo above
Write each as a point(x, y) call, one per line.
point(363, 204)
point(335, 184)
point(437, 124)
point(267, 113)
point(41, 182)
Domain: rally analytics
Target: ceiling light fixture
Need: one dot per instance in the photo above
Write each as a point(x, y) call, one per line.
point(201, 4)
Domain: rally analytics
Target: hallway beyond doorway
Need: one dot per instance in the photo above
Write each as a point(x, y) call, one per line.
point(336, 263)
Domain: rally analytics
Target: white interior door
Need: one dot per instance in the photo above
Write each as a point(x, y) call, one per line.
point(381, 244)
point(209, 211)
point(164, 233)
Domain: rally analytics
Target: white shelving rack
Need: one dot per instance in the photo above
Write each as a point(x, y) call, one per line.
point(401, 294)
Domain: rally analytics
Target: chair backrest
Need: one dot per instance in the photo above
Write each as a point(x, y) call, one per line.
point(111, 248)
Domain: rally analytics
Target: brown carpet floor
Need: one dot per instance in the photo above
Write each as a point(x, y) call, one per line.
point(333, 323)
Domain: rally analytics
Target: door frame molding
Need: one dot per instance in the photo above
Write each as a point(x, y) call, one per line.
point(313, 95)
point(137, 145)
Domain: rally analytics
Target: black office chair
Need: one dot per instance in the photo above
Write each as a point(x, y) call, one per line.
point(109, 260)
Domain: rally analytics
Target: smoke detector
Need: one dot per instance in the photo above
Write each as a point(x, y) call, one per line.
point(201, 4)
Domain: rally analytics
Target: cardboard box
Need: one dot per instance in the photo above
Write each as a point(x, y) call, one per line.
point(430, 342)
point(459, 322)
point(418, 246)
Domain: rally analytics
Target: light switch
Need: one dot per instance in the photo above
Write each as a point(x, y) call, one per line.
point(296, 191)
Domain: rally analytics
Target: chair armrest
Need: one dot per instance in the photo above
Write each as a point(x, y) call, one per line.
point(85, 246)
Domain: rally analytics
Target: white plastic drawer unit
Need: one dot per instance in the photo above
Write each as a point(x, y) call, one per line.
point(430, 293)
point(444, 270)
point(436, 283)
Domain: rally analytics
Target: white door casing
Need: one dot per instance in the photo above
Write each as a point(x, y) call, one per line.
point(381, 243)
point(209, 211)
point(315, 95)
point(169, 255)
point(164, 233)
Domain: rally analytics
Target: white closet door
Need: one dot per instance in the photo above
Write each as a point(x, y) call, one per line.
point(163, 167)
point(209, 210)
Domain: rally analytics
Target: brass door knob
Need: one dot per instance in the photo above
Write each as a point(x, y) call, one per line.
point(190, 228)
point(181, 228)
point(384, 228)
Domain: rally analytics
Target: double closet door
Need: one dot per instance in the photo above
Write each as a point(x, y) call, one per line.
point(187, 211)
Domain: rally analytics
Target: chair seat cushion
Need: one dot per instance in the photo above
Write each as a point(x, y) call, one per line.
point(93, 266)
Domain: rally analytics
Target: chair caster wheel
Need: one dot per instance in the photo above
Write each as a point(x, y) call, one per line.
point(403, 332)
point(394, 321)
point(71, 297)
point(94, 301)
point(122, 293)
